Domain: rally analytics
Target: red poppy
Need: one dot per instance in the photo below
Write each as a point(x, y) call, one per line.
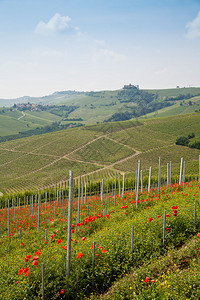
point(80, 255)
point(62, 291)
point(64, 247)
point(59, 241)
point(198, 234)
point(146, 280)
point(104, 250)
point(35, 257)
point(152, 281)
point(35, 263)
point(150, 219)
point(83, 238)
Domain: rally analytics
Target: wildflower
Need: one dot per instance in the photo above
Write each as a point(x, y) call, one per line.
point(150, 219)
point(146, 279)
point(104, 250)
point(59, 241)
point(62, 291)
point(97, 255)
point(64, 247)
point(21, 271)
point(35, 257)
point(152, 281)
point(80, 255)
point(35, 263)
point(198, 234)
point(158, 216)
point(83, 238)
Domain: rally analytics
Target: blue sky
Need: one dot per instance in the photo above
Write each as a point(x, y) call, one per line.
point(53, 45)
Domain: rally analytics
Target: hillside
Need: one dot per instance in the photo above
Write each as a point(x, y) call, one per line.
point(98, 150)
point(149, 252)
point(78, 108)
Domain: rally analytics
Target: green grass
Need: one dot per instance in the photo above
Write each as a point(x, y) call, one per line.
point(111, 233)
point(175, 92)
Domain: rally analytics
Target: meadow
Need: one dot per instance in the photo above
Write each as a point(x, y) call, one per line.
point(140, 251)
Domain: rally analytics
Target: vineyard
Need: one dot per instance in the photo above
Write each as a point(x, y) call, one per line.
point(125, 224)
point(96, 151)
point(75, 243)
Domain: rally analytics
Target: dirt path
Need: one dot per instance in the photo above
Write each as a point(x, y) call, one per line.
point(23, 115)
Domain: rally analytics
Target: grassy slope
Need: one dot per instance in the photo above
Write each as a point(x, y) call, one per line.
point(112, 233)
point(92, 109)
point(96, 151)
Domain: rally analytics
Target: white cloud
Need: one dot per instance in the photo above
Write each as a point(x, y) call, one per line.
point(56, 24)
point(193, 28)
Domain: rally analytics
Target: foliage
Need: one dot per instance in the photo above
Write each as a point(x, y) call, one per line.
point(109, 226)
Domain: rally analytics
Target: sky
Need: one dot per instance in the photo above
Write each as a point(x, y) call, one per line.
point(91, 45)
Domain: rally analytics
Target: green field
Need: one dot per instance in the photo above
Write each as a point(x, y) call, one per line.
point(97, 150)
point(92, 108)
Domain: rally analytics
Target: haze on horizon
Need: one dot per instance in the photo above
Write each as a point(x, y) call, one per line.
point(49, 45)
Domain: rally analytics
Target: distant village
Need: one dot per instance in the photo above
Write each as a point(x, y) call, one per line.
point(32, 107)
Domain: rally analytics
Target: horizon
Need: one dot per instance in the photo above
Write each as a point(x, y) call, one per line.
point(149, 89)
point(53, 46)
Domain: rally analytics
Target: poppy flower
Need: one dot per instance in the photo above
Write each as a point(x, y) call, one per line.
point(152, 281)
point(198, 234)
point(104, 250)
point(80, 255)
point(35, 263)
point(83, 238)
point(146, 279)
point(21, 271)
point(64, 247)
point(62, 291)
point(97, 255)
point(35, 257)
point(150, 219)
point(59, 241)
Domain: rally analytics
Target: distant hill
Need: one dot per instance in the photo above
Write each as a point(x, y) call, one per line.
point(92, 107)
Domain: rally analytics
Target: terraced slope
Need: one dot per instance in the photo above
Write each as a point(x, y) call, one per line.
point(96, 151)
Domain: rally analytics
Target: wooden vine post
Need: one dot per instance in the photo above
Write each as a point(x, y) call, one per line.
point(138, 182)
point(70, 203)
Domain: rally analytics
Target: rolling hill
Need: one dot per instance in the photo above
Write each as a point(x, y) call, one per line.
point(93, 107)
point(98, 151)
